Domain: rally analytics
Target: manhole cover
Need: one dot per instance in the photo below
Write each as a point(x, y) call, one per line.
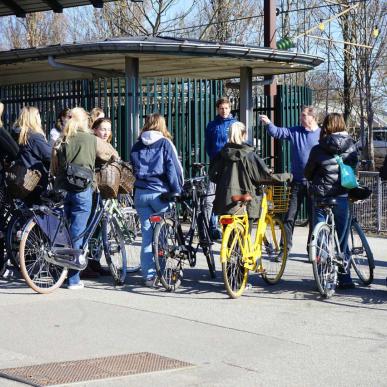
point(91, 369)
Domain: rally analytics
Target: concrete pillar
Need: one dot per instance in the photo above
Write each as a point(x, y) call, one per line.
point(133, 116)
point(246, 100)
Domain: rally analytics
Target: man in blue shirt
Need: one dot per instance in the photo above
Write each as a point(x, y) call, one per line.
point(302, 139)
point(216, 136)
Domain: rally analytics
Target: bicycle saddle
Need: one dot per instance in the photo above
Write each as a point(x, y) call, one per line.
point(326, 202)
point(241, 198)
point(170, 196)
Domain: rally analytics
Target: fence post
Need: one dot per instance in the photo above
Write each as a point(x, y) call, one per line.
point(379, 205)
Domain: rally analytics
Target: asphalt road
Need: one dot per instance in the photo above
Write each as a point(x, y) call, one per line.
point(282, 335)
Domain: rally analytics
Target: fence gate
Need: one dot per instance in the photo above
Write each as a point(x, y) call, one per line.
point(372, 212)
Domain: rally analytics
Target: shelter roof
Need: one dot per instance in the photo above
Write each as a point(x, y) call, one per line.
point(158, 56)
point(21, 7)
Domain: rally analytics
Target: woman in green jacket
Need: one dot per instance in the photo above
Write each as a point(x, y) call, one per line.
point(237, 170)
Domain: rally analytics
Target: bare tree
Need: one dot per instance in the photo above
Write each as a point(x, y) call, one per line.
point(149, 18)
point(36, 29)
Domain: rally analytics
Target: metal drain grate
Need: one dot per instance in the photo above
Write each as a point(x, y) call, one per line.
point(91, 369)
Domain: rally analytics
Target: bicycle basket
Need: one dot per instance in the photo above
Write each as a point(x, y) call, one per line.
point(199, 184)
point(108, 180)
point(127, 179)
point(21, 181)
point(280, 195)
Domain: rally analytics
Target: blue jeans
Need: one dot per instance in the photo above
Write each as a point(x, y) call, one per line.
point(77, 208)
point(148, 202)
point(341, 214)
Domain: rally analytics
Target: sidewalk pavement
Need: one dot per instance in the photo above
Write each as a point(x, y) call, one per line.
point(281, 335)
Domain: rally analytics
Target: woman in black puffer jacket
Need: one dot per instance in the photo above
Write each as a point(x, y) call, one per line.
point(323, 173)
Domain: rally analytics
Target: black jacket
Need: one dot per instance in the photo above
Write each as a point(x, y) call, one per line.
point(236, 170)
point(36, 154)
point(322, 169)
point(8, 147)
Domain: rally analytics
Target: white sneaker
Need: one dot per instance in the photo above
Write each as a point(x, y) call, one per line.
point(79, 285)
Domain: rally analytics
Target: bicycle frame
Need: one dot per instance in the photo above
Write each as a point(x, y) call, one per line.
point(252, 253)
point(54, 224)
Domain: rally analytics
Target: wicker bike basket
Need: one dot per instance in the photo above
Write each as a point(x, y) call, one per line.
point(279, 195)
point(127, 178)
point(108, 180)
point(21, 181)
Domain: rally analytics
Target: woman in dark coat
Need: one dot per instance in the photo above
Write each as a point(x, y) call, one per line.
point(323, 173)
point(35, 152)
point(237, 170)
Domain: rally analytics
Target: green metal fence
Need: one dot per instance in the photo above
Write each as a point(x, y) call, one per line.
point(187, 104)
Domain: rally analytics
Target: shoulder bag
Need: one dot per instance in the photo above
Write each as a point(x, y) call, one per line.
point(347, 174)
point(77, 178)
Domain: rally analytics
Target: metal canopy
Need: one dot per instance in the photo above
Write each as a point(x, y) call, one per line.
point(21, 7)
point(167, 57)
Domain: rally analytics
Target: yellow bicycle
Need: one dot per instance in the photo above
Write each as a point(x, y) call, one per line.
point(267, 254)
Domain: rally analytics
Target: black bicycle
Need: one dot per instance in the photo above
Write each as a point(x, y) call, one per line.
point(173, 247)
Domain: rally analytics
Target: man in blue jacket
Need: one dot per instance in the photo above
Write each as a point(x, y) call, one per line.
point(302, 139)
point(215, 139)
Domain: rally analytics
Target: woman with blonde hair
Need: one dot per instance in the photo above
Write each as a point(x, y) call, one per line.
point(78, 147)
point(157, 170)
point(34, 150)
point(323, 173)
point(238, 170)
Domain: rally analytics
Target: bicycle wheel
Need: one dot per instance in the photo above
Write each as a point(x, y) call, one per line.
point(206, 244)
point(40, 275)
point(168, 265)
point(234, 273)
point(274, 251)
point(114, 249)
point(321, 253)
point(362, 258)
point(132, 237)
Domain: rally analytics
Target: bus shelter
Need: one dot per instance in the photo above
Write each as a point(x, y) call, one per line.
point(129, 61)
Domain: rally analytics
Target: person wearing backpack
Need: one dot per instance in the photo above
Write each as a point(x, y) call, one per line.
point(322, 170)
point(75, 153)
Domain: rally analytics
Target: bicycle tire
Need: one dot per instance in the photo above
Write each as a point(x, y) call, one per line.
point(321, 253)
point(168, 266)
point(206, 244)
point(34, 244)
point(3, 258)
point(362, 259)
point(234, 273)
point(274, 251)
point(114, 249)
point(132, 237)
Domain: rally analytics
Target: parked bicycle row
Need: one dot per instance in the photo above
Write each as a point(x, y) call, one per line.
point(52, 225)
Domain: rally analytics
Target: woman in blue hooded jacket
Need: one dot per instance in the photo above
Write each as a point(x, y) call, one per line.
point(157, 170)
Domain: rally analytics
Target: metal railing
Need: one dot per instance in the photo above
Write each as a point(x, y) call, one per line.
point(372, 212)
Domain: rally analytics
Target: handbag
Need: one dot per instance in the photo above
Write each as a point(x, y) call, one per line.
point(77, 178)
point(347, 174)
point(21, 181)
point(108, 180)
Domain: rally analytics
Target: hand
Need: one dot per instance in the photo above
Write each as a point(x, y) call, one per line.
point(264, 118)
